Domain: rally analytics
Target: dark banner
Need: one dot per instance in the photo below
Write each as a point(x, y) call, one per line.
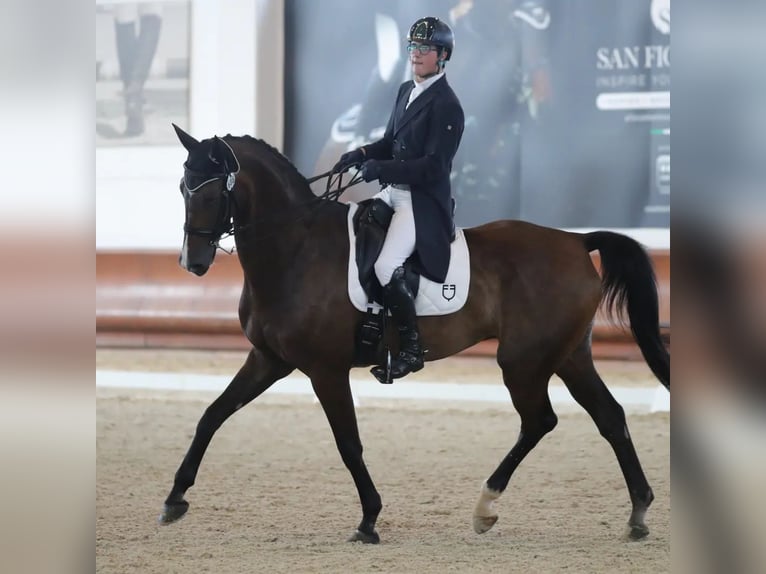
point(567, 103)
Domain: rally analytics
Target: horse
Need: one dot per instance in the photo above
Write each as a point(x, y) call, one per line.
point(534, 289)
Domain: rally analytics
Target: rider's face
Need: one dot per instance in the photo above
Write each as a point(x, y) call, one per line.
point(423, 65)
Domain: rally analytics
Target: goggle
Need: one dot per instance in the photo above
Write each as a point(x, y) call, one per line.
point(423, 49)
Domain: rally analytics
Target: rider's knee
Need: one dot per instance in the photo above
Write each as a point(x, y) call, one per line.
point(383, 271)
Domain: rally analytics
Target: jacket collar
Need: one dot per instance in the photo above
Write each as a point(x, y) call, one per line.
point(403, 116)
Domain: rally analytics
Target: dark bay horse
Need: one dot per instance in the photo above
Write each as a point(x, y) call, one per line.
point(533, 288)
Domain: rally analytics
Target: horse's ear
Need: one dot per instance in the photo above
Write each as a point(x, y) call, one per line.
point(186, 140)
point(215, 151)
point(220, 152)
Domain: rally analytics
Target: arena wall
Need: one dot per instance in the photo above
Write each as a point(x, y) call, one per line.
point(144, 299)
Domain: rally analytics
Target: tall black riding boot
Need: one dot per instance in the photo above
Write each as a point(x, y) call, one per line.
point(145, 49)
point(125, 34)
point(401, 302)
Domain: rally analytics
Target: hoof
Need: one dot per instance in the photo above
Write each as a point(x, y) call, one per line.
point(360, 536)
point(482, 524)
point(173, 512)
point(637, 531)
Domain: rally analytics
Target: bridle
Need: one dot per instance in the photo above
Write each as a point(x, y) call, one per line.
point(334, 180)
point(224, 223)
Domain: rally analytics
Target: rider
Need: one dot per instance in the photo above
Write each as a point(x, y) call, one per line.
point(413, 161)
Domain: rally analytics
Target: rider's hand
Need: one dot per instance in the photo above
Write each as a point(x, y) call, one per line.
point(370, 170)
point(348, 160)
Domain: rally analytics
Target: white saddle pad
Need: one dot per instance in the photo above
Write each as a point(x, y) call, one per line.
point(433, 298)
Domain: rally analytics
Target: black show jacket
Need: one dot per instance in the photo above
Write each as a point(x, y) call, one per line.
point(417, 150)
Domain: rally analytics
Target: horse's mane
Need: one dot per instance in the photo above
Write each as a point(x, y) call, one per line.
point(287, 169)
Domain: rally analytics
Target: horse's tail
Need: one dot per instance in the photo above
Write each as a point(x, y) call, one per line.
point(628, 281)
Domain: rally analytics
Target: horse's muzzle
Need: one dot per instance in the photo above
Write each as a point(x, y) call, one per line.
point(198, 269)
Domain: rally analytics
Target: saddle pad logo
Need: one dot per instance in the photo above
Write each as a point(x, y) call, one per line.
point(442, 298)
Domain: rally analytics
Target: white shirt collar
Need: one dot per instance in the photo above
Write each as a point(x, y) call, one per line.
point(423, 86)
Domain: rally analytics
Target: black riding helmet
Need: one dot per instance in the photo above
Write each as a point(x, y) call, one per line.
point(430, 30)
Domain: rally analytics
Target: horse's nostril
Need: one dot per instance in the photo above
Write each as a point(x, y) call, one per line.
point(198, 269)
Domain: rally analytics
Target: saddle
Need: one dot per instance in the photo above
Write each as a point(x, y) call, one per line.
point(370, 224)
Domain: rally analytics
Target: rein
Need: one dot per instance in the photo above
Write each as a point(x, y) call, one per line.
point(333, 181)
point(334, 194)
point(225, 224)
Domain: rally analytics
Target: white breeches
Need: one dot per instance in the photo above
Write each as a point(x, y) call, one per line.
point(400, 239)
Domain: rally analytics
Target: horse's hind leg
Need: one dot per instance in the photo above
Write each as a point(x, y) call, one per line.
point(529, 392)
point(334, 394)
point(580, 376)
point(260, 371)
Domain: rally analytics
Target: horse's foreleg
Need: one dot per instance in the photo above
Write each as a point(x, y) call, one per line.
point(587, 388)
point(260, 371)
point(537, 419)
point(334, 393)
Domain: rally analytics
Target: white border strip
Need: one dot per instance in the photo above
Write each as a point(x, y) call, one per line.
point(631, 398)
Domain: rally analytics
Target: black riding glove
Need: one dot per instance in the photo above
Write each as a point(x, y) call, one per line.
point(348, 160)
point(371, 170)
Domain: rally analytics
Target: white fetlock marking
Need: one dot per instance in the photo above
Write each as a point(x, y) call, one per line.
point(637, 517)
point(484, 515)
point(185, 255)
point(486, 505)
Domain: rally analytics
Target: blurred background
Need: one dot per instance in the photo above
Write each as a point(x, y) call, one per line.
point(581, 109)
point(567, 103)
point(567, 125)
